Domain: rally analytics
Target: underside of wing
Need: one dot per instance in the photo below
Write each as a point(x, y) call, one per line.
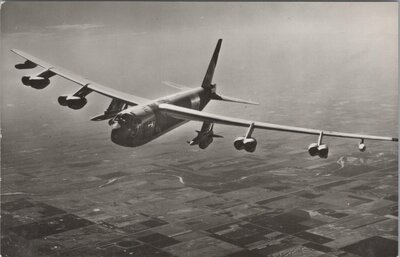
point(76, 100)
point(189, 114)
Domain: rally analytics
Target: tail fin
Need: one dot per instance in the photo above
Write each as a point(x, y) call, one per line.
point(211, 67)
point(209, 76)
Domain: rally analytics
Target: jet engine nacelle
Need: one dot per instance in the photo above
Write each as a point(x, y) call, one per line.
point(362, 147)
point(313, 149)
point(73, 102)
point(248, 144)
point(35, 81)
point(238, 143)
point(323, 151)
point(320, 150)
point(26, 65)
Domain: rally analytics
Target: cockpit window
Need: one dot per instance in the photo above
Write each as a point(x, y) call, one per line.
point(125, 119)
point(130, 122)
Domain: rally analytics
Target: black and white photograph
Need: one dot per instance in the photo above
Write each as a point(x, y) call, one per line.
point(199, 129)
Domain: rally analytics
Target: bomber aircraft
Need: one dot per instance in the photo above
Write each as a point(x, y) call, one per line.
point(136, 121)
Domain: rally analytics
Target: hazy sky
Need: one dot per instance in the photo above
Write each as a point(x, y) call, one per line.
point(308, 64)
point(330, 66)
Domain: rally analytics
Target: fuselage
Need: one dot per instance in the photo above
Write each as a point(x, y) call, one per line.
point(138, 125)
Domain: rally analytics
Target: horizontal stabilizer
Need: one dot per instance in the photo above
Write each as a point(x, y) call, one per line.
point(231, 99)
point(176, 85)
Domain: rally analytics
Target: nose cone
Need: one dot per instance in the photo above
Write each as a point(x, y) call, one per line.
point(120, 136)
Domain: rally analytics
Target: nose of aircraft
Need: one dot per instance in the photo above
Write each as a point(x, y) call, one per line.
point(124, 130)
point(119, 136)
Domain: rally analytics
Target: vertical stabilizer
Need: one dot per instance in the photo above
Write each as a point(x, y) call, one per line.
point(211, 67)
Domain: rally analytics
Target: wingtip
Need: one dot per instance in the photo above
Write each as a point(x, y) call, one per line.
point(15, 51)
point(250, 102)
point(395, 139)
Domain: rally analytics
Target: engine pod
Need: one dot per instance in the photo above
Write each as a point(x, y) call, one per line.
point(62, 100)
point(76, 102)
point(25, 80)
point(323, 151)
point(238, 143)
point(250, 144)
point(35, 81)
point(39, 82)
point(362, 147)
point(73, 102)
point(26, 65)
point(313, 149)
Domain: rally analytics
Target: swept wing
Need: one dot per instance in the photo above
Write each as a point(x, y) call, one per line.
point(88, 85)
point(189, 114)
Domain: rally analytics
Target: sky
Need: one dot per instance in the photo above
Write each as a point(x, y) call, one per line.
point(320, 65)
